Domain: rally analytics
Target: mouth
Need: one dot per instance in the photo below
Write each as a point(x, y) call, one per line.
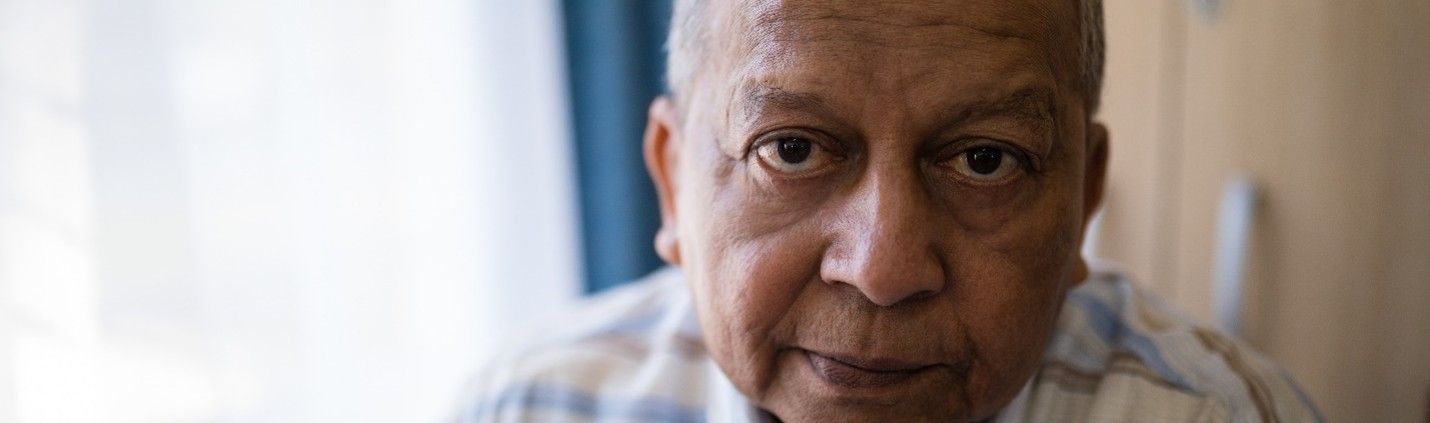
point(864, 373)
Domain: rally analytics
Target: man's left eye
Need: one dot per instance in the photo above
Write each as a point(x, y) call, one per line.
point(794, 155)
point(985, 163)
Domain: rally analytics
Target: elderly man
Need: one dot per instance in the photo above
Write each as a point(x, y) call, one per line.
point(873, 212)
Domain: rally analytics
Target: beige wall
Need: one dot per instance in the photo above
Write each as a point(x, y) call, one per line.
point(1325, 104)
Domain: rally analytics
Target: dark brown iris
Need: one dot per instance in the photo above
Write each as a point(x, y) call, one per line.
point(794, 150)
point(984, 160)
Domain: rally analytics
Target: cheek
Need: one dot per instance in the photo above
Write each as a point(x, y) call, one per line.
point(1011, 299)
point(1009, 329)
point(746, 284)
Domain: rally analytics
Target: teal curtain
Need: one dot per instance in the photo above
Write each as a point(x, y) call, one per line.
point(616, 60)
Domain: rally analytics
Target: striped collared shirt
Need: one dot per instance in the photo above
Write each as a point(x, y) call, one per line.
point(635, 355)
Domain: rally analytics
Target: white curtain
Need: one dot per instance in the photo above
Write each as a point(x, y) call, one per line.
point(275, 210)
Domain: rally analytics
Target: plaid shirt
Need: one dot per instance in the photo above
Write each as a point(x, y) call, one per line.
point(635, 355)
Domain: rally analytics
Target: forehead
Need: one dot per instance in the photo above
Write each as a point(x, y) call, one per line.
point(928, 47)
point(904, 20)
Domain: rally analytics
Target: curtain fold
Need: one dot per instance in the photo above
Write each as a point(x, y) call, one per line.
point(309, 211)
point(615, 61)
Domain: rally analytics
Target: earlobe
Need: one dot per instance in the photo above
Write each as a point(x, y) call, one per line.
point(667, 245)
point(661, 146)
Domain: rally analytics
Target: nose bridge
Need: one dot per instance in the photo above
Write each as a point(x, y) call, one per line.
point(893, 209)
point(889, 240)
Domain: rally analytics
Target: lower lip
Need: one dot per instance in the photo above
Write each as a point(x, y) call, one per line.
point(849, 376)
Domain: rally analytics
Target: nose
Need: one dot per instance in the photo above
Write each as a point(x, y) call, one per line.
point(885, 244)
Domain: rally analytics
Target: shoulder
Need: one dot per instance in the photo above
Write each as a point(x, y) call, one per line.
point(616, 356)
point(1121, 352)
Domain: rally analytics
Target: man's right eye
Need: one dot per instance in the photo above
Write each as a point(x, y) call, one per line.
point(794, 155)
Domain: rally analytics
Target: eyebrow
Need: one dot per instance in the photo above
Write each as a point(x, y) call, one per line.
point(1033, 105)
point(755, 99)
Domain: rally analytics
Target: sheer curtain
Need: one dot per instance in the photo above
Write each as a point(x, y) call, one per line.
point(230, 210)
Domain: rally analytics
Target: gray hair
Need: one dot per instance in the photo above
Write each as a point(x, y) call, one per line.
point(689, 33)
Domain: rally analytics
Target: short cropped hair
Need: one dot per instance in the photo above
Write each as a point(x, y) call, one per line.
point(688, 43)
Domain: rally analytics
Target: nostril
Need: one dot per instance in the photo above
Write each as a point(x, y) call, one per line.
point(890, 293)
point(882, 282)
point(920, 296)
point(894, 300)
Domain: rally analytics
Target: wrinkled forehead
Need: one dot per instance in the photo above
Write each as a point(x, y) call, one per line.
point(1050, 21)
point(925, 41)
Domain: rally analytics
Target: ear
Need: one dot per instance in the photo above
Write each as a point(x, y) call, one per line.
point(662, 156)
point(1096, 170)
point(1094, 177)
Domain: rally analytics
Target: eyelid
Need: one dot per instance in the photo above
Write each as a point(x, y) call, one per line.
point(1031, 162)
point(824, 141)
point(767, 144)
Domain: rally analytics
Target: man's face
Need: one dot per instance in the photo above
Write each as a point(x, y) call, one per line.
point(879, 205)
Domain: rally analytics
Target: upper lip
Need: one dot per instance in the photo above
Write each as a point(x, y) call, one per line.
point(876, 363)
